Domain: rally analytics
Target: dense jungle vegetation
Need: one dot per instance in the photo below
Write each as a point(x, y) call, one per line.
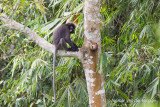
point(130, 58)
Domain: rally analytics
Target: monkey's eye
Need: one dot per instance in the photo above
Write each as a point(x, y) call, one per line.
point(71, 27)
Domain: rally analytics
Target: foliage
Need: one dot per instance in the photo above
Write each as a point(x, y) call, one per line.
point(130, 56)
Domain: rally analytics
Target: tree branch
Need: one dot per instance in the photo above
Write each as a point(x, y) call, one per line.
point(12, 24)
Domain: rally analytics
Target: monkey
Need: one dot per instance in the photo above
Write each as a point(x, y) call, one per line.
point(61, 36)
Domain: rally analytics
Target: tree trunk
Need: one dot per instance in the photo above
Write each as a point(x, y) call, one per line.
point(91, 53)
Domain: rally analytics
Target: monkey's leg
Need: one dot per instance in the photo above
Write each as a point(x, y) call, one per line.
point(62, 44)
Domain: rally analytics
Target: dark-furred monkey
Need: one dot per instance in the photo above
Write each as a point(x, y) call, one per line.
point(61, 37)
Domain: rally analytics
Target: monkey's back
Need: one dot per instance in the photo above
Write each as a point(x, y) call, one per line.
point(59, 33)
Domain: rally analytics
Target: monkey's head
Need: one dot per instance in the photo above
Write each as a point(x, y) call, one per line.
point(71, 27)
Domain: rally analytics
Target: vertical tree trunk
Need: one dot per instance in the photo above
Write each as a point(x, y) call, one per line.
point(91, 53)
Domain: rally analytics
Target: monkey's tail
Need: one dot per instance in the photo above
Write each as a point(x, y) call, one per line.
point(54, 62)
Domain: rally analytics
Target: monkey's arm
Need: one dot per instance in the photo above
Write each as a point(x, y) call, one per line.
point(74, 47)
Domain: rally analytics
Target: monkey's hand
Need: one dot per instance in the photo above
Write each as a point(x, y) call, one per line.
point(73, 49)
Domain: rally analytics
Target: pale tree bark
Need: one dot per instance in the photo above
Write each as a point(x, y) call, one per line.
point(89, 54)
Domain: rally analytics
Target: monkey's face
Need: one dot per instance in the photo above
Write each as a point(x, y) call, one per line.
point(71, 29)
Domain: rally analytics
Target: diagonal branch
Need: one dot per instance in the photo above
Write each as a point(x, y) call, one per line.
point(12, 24)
